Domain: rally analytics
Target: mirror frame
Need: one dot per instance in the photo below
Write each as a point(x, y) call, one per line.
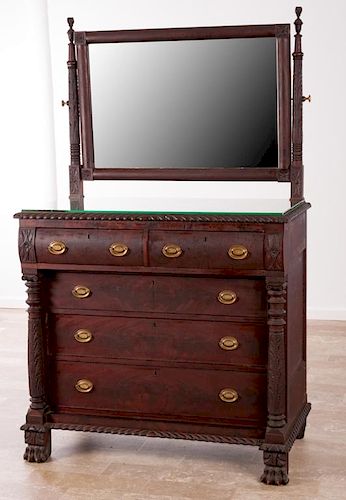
point(82, 101)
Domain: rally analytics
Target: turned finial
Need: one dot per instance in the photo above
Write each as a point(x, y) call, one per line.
point(70, 32)
point(298, 22)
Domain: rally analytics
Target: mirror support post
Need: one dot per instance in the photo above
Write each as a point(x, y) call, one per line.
point(297, 169)
point(76, 183)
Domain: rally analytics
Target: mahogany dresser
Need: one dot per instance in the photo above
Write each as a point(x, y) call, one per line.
point(169, 324)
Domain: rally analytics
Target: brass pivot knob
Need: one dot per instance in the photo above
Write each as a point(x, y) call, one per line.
point(81, 292)
point(227, 297)
point(228, 395)
point(238, 252)
point(118, 249)
point(84, 385)
point(308, 98)
point(228, 343)
point(57, 247)
point(83, 336)
point(172, 250)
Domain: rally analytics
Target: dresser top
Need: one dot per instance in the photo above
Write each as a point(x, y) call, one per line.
point(266, 210)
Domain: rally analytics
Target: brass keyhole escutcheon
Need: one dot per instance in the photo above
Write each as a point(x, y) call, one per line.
point(57, 247)
point(81, 292)
point(172, 250)
point(228, 395)
point(83, 336)
point(227, 297)
point(118, 249)
point(84, 385)
point(228, 343)
point(238, 252)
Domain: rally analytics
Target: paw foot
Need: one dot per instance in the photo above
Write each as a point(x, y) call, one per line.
point(36, 454)
point(274, 475)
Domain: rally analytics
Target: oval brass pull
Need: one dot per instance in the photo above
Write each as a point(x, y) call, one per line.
point(172, 250)
point(83, 336)
point(118, 249)
point(57, 247)
point(81, 292)
point(84, 385)
point(238, 252)
point(227, 297)
point(228, 343)
point(228, 395)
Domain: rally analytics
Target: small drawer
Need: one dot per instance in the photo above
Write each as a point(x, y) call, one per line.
point(158, 339)
point(122, 390)
point(90, 246)
point(152, 294)
point(206, 250)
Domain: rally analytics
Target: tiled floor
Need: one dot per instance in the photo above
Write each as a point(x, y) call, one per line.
point(93, 466)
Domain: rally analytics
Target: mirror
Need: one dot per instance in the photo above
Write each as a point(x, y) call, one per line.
point(185, 103)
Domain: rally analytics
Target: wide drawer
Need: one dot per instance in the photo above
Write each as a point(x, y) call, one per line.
point(164, 294)
point(206, 250)
point(163, 391)
point(158, 339)
point(90, 246)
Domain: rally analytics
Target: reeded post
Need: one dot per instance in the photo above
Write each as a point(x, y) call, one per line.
point(297, 169)
point(76, 183)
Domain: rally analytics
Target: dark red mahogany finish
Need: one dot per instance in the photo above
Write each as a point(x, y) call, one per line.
point(194, 344)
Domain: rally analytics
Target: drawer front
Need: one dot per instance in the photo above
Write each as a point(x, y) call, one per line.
point(93, 246)
point(170, 294)
point(158, 339)
point(206, 250)
point(124, 390)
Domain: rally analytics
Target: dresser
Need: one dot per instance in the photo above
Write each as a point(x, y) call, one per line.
point(174, 324)
point(167, 325)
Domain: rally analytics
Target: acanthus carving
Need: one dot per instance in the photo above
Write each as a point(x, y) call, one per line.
point(38, 440)
point(276, 290)
point(26, 245)
point(35, 345)
point(273, 252)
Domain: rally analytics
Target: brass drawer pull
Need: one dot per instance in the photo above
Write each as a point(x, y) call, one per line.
point(118, 249)
point(172, 250)
point(228, 343)
point(228, 395)
point(57, 247)
point(238, 252)
point(83, 336)
point(84, 385)
point(227, 297)
point(81, 292)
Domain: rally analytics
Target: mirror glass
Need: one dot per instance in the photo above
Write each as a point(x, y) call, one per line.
point(185, 104)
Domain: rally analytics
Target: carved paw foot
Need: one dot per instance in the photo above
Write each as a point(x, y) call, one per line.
point(276, 468)
point(38, 442)
point(36, 453)
point(302, 431)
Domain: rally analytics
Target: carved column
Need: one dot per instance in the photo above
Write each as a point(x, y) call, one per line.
point(297, 181)
point(76, 183)
point(275, 459)
point(37, 436)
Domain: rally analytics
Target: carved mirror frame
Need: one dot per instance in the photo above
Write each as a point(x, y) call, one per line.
point(289, 167)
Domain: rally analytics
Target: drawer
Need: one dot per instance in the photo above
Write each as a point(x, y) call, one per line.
point(163, 294)
point(158, 339)
point(90, 246)
point(206, 250)
point(163, 391)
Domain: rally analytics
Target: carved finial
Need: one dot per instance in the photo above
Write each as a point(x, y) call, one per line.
point(298, 22)
point(70, 22)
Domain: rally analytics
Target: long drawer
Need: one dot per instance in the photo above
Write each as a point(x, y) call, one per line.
point(163, 391)
point(218, 342)
point(163, 294)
